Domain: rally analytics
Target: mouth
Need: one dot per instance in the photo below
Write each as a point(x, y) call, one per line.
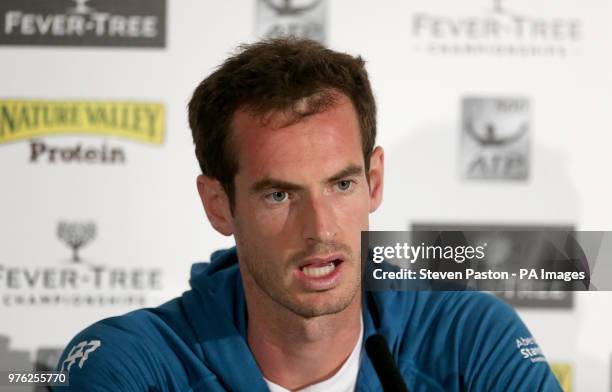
point(321, 273)
point(319, 269)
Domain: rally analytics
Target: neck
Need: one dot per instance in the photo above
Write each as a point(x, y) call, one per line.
point(295, 352)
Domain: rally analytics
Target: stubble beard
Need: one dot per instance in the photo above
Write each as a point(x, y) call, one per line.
point(269, 283)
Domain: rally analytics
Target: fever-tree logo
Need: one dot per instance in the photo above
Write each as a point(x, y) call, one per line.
point(81, 7)
point(500, 29)
point(76, 235)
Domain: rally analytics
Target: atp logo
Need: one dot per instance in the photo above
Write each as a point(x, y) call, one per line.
point(490, 137)
point(82, 351)
point(285, 7)
point(292, 18)
point(495, 138)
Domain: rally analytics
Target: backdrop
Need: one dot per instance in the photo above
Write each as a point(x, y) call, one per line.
point(492, 113)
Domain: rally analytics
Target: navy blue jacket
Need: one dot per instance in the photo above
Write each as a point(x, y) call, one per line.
point(441, 341)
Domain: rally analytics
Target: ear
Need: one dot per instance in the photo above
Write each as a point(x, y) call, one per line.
point(377, 174)
point(216, 204)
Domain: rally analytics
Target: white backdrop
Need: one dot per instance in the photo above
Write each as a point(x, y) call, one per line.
point(147, 212)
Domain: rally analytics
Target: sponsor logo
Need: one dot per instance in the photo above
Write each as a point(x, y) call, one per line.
point(83, 23)
point(530, 349)
point(81, 352)
point(495, 138)
point(497, 30)
point(286, 7)
point(40, 151)
point(138, 121)
point(77, 280)
point(300, 18)
point(76, 235)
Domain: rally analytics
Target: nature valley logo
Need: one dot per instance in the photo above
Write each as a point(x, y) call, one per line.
point(143, 122)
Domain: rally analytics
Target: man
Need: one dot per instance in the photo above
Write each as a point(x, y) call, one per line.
point(284, 134)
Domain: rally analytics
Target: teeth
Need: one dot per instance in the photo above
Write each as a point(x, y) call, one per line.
point(315, 272)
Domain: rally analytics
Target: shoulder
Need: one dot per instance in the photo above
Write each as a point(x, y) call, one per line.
point(128, 352)
point(420, 307)
point(467, 334)
point(455, 318)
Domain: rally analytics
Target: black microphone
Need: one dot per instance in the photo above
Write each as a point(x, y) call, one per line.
point(388, 373)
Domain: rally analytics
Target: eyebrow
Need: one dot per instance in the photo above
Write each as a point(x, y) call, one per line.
point(271, 183)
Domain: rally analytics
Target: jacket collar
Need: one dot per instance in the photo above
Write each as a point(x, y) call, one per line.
point(218, 287)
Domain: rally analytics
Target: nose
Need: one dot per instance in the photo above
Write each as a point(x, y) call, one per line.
point(319, 220)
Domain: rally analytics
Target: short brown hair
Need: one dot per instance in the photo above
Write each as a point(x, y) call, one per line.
point(269, 75)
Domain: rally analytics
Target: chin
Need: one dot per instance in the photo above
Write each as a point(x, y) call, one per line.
point(322, 304)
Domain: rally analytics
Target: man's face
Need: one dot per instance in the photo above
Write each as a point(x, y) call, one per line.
point(301, 202)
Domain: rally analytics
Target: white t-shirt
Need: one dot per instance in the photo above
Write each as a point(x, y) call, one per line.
point(343, 381)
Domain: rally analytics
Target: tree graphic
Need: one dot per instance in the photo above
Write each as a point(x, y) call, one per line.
point(76, 235)
point(81, 7)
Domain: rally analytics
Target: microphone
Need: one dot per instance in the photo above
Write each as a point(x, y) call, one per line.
point(388, 373)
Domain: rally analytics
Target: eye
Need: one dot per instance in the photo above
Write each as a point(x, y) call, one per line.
point(277, 197)
point(344, 185)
